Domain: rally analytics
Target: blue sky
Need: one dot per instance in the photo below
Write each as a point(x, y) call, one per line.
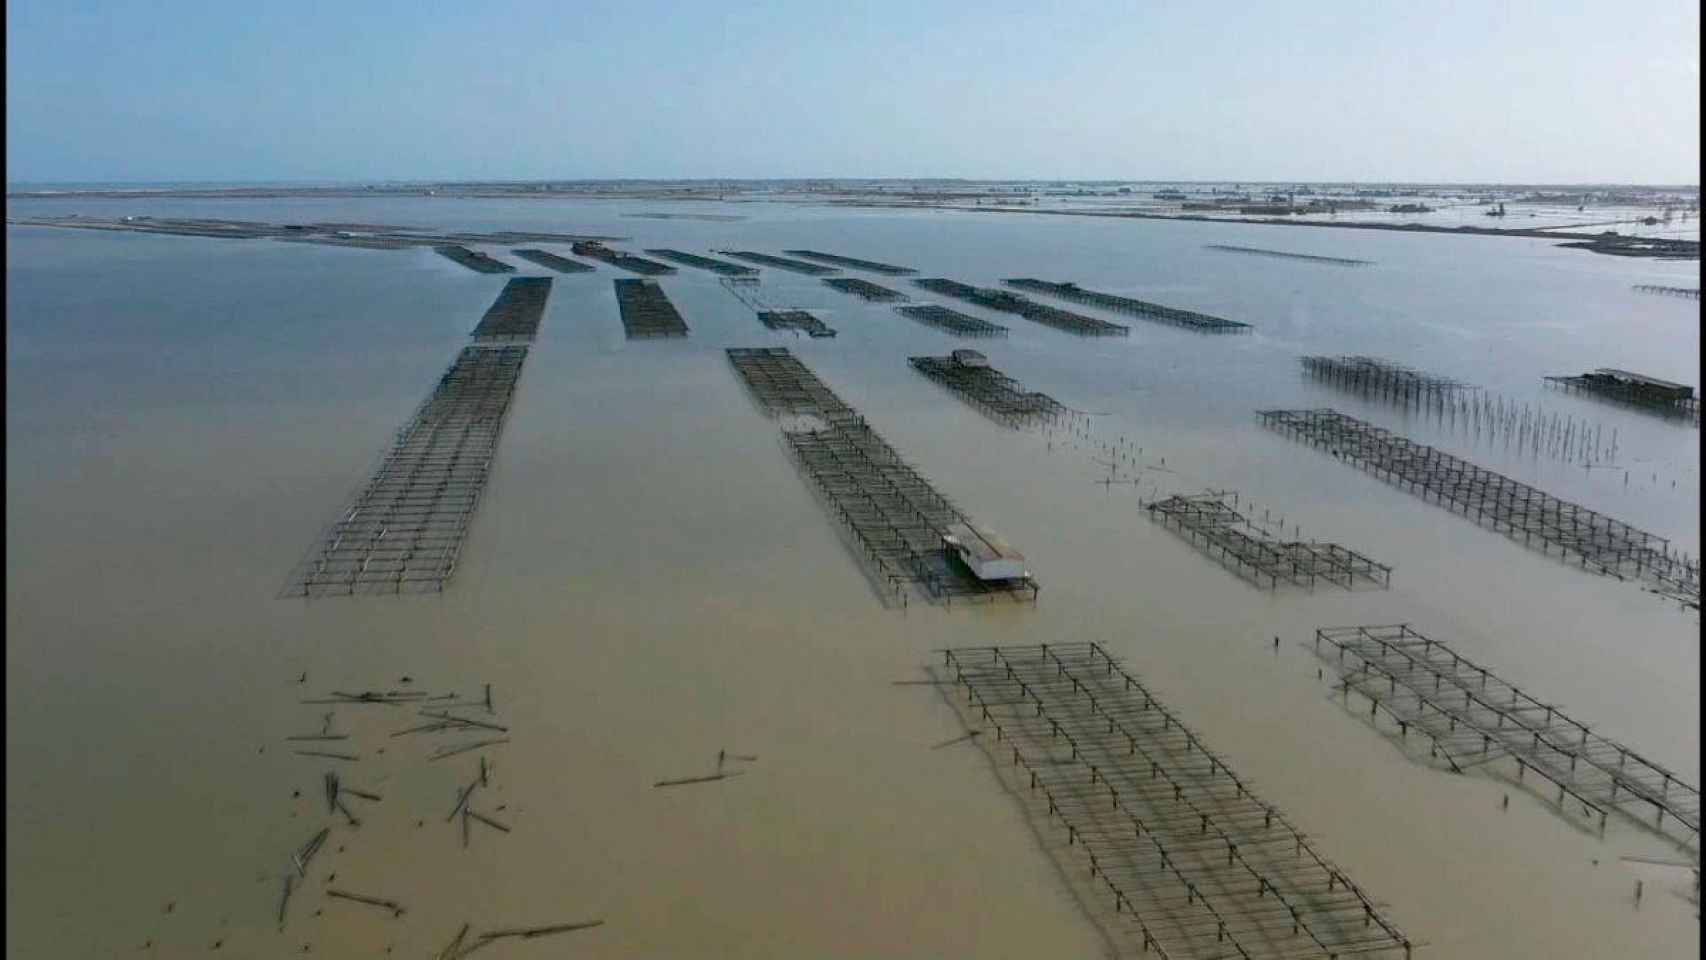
point(1311, 90)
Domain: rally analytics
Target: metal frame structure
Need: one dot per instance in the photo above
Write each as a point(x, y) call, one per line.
point(1337, 261)
point(1215, 525)
point(404, 528)
point(1691, 293)
point(996, 394)
point(854, 262)
point(894, 514)
point(864, 288)
point(1372, 376)
point(1605, 545)
point(954, 322)
point(780, 263)
point(646, 310)
point(1199, 864)
point(803, 321)
point(1471, 718)
point(514, 317)
point(1189, 319)
point(473, 259)
point(549, 260)
point(617, 258)
point(722, 267)
point(1008, 302)
point(1629, 395)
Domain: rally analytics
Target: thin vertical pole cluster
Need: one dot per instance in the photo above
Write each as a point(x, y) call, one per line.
point(1183, 847)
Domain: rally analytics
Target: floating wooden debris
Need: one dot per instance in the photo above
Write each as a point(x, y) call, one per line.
point(329, 754)
point(953, 321)
point(1184, 848)
point(1189, 319)
point(646, 311)
point(1213, 523)
point(462, 800)
point(514, 317)
point(318, 736)
point(391, 905)
point(897, 518)
point(284, 902)
point(1337, 261)
point(959, 739)
point(404, 529)
point(626, 261)
point(1471, 717)
point(708, 778)
point(549, 260)
point(864, 288)
point(301, 857)
point(464, 748)
point(780, 263)
point(1008, 302)
point(857, 264)
point(970, 377)
point(722, 267)
point(474, 259)
point(488, 821)
point(1516, 509)
point(454, 950)
point(529, 933)
point(464, 721)
point(800, 320)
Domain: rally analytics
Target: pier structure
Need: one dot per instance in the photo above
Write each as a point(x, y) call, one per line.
point(997, 395)
point(864, 288)
point(617, 258)
point(952, 321)
point(722, 267)
point(1336, 261)
point(1470, 718)
point(1215, 525)
point(1189, 319)
point(1636, 390)
point(1007, 302)
point(780, 263)
point(1516, 509)
point(894, 515)
point(1372, 376)
point(473, 259)
point(646, 311)
point(871, 266)
point(1177, 844)
point(514, 317)
point(551, 261)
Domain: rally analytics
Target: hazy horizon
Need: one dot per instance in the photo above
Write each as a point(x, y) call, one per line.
point(1331, 92)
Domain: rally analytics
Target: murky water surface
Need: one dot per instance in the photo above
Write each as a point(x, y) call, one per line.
point(648, 581)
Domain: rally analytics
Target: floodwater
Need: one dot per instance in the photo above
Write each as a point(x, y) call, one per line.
point(648, 580)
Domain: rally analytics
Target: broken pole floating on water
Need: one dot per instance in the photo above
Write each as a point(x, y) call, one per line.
point(301, 857)
point(529, 933)
point(289, 884)
point(488, 821)
point(465, 721)
point(704, 779)
point(328, 754)
point(461, 800)
point(391, 905)
point(453, 951)
point(453, 751)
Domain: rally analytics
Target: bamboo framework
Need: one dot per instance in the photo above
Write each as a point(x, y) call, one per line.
point(894, 515)
point(647, 311)
point(1216, 526)
point(1471, 717)
point(999, 396)
point(953, 321)
point(1009, 302)
point(872, 266)
point(1189, 319)
point(1181, 845)
point(864, 288)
